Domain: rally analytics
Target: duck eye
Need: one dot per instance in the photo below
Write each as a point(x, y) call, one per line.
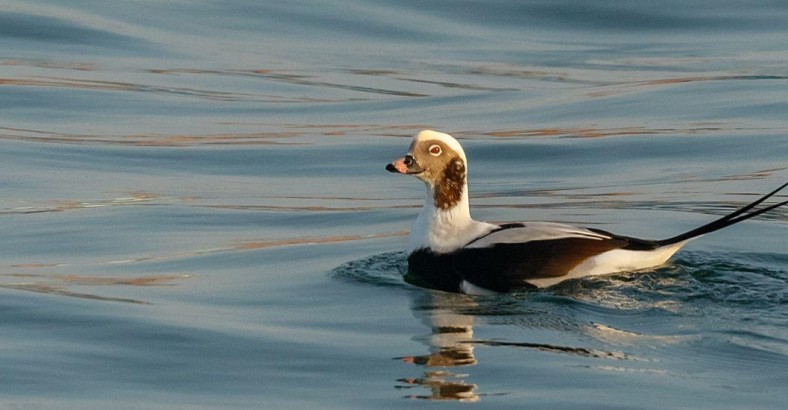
point(435, 150)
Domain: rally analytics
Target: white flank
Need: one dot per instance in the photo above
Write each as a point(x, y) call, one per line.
point(469, 288)
point(617, 260)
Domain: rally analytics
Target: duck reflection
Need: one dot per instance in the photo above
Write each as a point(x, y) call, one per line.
point(450, 341)
point(450, 345)
point(444, 385)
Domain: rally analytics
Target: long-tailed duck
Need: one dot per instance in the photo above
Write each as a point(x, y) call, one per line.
point(448, 250)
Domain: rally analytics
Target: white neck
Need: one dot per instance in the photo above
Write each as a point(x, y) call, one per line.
point(445, 230)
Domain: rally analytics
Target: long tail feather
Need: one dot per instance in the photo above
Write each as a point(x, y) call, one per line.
point(727, 220)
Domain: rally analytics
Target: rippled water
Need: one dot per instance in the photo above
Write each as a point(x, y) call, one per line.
point(195, 211)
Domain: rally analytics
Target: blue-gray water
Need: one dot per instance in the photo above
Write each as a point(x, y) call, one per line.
point(195, 212)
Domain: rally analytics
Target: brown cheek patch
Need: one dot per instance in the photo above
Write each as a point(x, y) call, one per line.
point(450, 184)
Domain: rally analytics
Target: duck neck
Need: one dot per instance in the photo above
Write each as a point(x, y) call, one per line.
point(444, 225)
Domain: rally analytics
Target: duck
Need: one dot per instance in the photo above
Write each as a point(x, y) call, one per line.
point(450, 251)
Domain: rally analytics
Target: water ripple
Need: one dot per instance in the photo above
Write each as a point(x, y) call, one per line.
point(52, 30)
point(385, 269)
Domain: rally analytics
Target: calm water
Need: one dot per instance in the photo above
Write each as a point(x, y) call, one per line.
point(195, 212)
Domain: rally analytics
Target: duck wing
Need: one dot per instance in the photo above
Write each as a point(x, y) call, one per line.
point(508, 257)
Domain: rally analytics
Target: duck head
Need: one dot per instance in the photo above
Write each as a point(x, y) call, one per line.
point(439, 161)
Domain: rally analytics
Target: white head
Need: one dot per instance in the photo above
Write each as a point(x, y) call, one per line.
point(438, 160)
point(444, 223)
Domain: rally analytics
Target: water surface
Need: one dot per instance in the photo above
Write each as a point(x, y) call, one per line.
point(195, 212)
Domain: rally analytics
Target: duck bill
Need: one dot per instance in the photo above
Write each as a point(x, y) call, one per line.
point(405, 165)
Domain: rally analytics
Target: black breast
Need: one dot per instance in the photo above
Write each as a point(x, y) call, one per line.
point(432, 270)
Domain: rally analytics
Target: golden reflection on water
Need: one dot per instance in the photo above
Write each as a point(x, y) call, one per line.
point(262, 244)
point(59, 290)
point(289, 134)
point(283, 134)
point(152, 140)
point(60, 284)
point(54, 82)
point(134, 198)
point(430, 81)
point(58, 65)
point(156, 280)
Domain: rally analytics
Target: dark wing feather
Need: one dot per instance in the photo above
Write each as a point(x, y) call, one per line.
point(632, 244)
point(506, 266)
